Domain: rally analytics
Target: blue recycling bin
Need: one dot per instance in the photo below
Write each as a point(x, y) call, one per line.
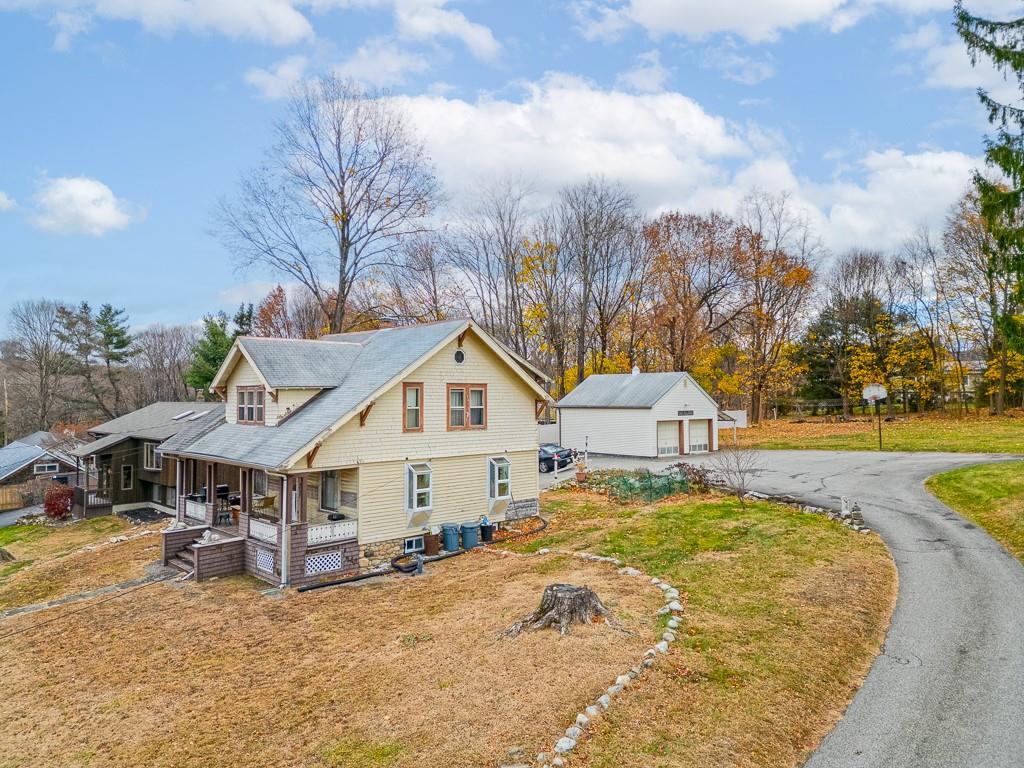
point(470, 535)
point(450, 536)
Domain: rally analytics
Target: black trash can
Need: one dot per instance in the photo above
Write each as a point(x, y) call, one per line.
point(487, 533)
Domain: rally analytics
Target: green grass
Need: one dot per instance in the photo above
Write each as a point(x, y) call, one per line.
point(352, 753)
point(23, 533)
point(784, 611)
point(991, 495)
point(970, 434)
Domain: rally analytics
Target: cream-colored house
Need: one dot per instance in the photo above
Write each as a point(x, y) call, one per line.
point(338, 454)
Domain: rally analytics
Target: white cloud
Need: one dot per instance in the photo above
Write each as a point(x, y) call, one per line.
point(6, 202)
point(268, 21)
point(945, 63)
point(674, 154)
point(648, 75)
point(429, 19)
point(80, 205)
point(900, 193)
point(276, 82)
point(69, 24)
point(735, 66)
point(753, 20)
point(379, 62)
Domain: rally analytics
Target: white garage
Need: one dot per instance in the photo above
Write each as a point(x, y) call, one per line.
point(639, 414)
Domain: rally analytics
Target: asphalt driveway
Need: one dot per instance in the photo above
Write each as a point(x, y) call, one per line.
point(948, 689)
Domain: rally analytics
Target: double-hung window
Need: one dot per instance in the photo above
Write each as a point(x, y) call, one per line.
point(467, 406)
point(499, 478)
point(150, 458)
point(419, 494)
point(329, 490)
point(412, 413)
point(250, 405)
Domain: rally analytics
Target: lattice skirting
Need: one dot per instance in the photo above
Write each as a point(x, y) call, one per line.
point(322, 562)
point(265, 561)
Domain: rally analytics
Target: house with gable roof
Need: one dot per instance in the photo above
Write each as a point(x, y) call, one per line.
point(337, 454)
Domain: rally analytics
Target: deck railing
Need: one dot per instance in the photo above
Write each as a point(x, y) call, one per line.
point(343, 529)
point(262, 530)
point(195, 509)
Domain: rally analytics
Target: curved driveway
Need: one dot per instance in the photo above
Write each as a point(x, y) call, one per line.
point(947, 691)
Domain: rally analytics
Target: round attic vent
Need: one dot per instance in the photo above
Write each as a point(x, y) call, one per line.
point(460, 356)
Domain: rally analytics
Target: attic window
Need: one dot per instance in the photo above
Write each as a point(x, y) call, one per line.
point(460, 356)
point(250, 405)
point(181, 415)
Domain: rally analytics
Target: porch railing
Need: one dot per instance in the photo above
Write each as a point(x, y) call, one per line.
point(262, 530)
point(344, 529)
point(195, 509)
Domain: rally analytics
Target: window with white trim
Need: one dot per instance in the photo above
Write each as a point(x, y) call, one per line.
point(151, 460)
point(45, 469)
point(127, 477)
point(414, 544)
point(419, 495)
point(499, 480)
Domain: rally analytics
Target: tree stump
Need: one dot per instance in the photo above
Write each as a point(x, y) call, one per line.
point(562, 605)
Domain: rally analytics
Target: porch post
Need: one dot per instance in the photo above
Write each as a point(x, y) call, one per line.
point(179, 488)
point(302, 499)
point(211, 492)
point(286, 538)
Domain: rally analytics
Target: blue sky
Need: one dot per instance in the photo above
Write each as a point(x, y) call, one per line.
point(124, 121)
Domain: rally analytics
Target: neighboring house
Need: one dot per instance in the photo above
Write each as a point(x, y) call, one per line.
point(639, 414)
point(126, 470)
point(23, 462)
point(339, 454)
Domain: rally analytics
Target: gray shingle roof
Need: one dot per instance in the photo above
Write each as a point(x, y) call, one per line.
point(16, 455)
point(154, 422)
point(621, 390)
point(299, 363)
point(360, 365)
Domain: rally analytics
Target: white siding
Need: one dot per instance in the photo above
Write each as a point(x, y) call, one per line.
point(619, 431)
point(511, 415)
point(458, 485)
point(634, 431)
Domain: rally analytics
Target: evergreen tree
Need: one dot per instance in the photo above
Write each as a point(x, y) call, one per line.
point(209, 352)
point(243, 320)
point(93, 341)
point(1002, 43)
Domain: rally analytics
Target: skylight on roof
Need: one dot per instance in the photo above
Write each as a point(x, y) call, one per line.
point(199, 415)
point(181, 415)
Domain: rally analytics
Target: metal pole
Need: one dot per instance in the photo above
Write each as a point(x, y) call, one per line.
point(878, 413)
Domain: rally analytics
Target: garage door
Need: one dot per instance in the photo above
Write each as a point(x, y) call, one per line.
point(668, 438)
point(699, 436)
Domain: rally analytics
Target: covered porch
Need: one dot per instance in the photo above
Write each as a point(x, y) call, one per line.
point(295, 528)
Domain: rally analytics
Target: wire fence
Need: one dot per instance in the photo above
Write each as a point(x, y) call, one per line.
point(643, 485)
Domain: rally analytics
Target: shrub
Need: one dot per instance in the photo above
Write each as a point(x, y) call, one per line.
point(58, 500)
point(698, 479)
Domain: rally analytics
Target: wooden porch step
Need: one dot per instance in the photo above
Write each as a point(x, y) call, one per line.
point(187, 555)
point(182, 565)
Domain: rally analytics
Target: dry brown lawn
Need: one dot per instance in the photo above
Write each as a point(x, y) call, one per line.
point(397, 672)
point(73, 559)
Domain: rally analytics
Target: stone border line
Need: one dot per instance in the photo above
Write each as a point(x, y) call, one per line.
point(672, 608)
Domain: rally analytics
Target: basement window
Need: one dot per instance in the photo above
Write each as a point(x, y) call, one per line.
point(414, 544)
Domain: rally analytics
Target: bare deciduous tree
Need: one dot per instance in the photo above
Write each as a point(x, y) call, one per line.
point(346, 182)
point(39, 357)
point(735, 467)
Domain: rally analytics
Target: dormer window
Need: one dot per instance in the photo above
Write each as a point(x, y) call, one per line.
point(250, 405)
